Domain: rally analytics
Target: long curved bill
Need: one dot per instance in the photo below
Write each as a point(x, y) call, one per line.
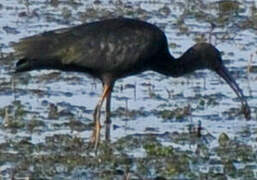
point(224, 73)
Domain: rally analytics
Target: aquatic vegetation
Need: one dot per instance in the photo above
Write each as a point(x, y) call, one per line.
point(34, 124)
point(177, 114)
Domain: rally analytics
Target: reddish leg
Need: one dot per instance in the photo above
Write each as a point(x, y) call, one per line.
point(95, 138)
point(108, 116)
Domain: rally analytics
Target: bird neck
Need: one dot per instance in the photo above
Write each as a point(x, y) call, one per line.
point(187, 63)
point(171, 66)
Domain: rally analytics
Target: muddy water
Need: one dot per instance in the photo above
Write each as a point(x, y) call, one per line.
point(46, 116)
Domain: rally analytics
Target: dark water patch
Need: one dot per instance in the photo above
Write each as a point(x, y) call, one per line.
point(151, 129)
point(6, 91)
point(129, 86)
point(10, 30)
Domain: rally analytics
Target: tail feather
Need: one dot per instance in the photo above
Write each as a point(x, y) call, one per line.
point(23, 65)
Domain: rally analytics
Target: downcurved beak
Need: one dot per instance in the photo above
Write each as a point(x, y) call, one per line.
point(224, 73)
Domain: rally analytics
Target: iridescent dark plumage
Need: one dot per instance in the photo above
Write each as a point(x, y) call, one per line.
point(116, 48)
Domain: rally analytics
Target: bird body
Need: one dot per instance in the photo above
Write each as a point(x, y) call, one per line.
point(108, 49)
point(113, 49)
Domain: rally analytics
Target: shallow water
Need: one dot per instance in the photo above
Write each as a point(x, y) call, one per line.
point(145, 96)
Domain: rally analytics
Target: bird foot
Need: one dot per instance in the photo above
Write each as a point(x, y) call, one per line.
point(95, 138)
point(247, 111)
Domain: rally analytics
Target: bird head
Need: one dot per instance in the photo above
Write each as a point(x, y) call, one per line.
point(207, 56)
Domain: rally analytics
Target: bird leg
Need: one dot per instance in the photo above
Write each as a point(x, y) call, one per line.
point(95, 138)
point(107, 116)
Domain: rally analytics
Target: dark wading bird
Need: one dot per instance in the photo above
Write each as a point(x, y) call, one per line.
point(113, 49)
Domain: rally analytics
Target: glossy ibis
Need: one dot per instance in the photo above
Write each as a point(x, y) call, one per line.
point(113, 49)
